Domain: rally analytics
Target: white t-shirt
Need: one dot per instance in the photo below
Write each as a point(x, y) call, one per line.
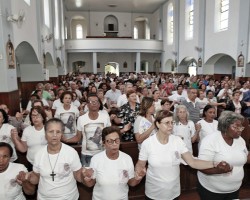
point(35, 141)
point(163, 173)
point(207, 128)
point(56, 104)
point(214, 148)
point(111, 176)
point(92, 132)
point(9, 188)
point(64, 184)
point(69, 118)
point(141, 125)
point(185, 132)
point(5, 136)
point(201, 103)
point(157, 105)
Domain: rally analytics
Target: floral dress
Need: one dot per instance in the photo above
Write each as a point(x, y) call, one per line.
point(129, 115)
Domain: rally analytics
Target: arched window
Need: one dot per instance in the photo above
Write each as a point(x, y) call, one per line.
point(79, 34)
point(224, 14)
point(189, 19)
point(135, 32)
point(46, 12)
point(170, 24)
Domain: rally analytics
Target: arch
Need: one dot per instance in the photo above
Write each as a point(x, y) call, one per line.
point(188, 65)
point(156, 66)
point(141, 24)
point(25, 54)
point(169, 66)
point(78, 66)
point(48, 60)
point(76, 21)
point(110, 25)
point(112, 67)
point(220, 64)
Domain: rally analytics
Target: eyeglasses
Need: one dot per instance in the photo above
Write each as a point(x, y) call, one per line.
point(93, 102)
point(238, 128)
point(111, 141)
point(54, 133)
point(36, 116)
point(168, 123)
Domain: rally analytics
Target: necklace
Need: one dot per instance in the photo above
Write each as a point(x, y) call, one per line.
point(52, 169)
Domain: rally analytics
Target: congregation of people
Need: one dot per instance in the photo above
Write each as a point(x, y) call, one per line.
point(165, 114)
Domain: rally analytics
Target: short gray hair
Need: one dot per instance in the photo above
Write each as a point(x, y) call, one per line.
point(227, 118)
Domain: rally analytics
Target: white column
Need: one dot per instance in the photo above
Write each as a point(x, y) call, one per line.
point(94, 62)
point(138, 62)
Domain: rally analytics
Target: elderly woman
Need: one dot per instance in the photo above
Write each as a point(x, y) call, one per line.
point(163, 152)
point(57, 166)
point(128, 114)
point(33, 137)
point(235, 104)
point(144, 123)
point(111, 171)
point(227, 145)
point(68, 113)
point(5, 132)
point(184, 128)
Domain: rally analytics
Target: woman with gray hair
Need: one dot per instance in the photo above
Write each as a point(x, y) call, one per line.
point(184, 128)
point(228, 145)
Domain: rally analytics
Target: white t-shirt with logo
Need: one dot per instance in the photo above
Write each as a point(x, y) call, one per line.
point(214, 148)
point(9, 188)
point(111, 176)
point(64, 185)
point(163, 173)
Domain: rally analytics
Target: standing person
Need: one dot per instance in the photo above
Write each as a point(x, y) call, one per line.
point(57, 166)
point(10, 185)
point(185, 128)
point(111, 163)
point(163, 152)
point(68, 113)
point(33, 137)
point(157, 100)
point(127, 115)
point(144, 123)
point(192, 105)
point(112, 95)
point(228, 145)
point(5, 132)
point(235, 104)
point(89, 129)
point(208, 124)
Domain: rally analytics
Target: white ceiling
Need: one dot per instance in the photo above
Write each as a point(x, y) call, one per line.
point(136, 6)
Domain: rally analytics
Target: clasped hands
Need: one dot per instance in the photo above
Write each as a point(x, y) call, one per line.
point(223, 167)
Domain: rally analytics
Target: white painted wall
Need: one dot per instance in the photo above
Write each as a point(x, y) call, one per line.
point(31, 72)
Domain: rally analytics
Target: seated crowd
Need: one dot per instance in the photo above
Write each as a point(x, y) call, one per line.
point(164, 114)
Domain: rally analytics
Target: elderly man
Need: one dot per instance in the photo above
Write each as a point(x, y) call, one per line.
point(112, 95)
point(192, 106)
point(122, 99)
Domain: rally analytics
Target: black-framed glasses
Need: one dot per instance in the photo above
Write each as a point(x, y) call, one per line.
point(111, 141)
